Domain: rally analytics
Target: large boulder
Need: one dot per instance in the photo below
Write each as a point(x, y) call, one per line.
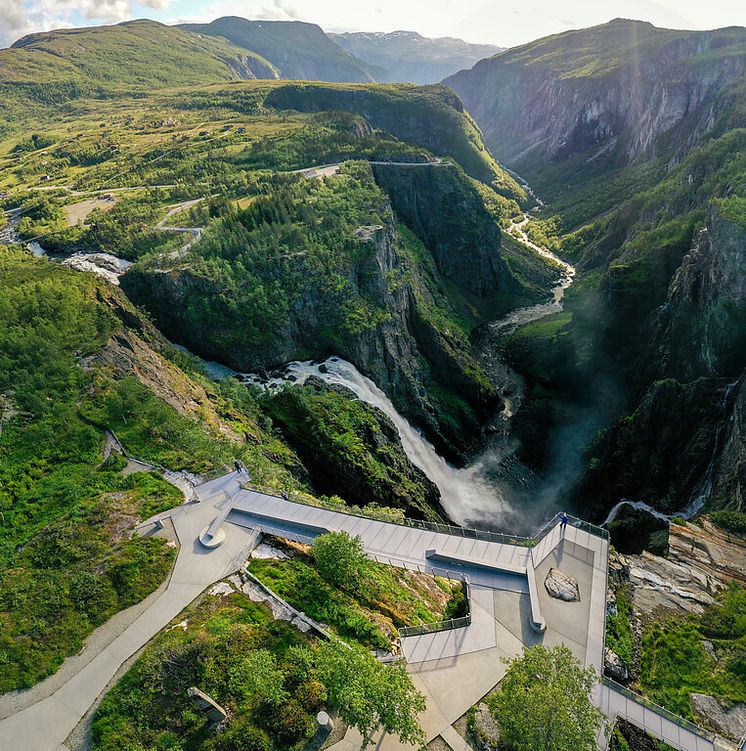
point(729, 722)
point(562, 586)
point(614, 666)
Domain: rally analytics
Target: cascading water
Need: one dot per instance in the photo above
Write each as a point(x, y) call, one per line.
point(467, 496)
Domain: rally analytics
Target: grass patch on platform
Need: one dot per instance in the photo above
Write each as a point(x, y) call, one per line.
point(390, 599)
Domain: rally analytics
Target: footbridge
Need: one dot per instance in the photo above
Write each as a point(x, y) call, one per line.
point(509, 606)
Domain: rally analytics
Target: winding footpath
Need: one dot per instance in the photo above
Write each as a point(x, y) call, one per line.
point(510, 609)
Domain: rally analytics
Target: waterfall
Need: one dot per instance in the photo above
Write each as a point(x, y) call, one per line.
point(636, 505)
point(467, 495)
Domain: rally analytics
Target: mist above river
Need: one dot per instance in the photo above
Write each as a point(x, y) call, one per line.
point(492, 492)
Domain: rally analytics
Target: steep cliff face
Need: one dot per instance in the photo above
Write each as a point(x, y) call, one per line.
point(447, 213)
point(729, 470)
point(609, 92)
point(686, 435)
point(382, 306)
point(661, 452)
point(701, 328)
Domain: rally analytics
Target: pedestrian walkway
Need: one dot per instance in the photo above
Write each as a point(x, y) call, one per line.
point(454, 669)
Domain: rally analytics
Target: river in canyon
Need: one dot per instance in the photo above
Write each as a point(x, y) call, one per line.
point(495, 490)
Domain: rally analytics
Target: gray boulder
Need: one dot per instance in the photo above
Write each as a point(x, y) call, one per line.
point(729, 722)
point(562, 586)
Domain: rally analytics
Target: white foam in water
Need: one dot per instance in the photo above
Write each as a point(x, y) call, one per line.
point(466, 495)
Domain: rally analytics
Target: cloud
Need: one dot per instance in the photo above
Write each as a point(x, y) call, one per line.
point(14, 21)
point(18, 17)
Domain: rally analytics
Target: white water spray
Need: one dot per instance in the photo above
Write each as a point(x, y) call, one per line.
point(466, 495)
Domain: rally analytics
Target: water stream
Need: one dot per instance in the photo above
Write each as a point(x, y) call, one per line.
point(105, 265)
point(492, 491)
point(522, 316)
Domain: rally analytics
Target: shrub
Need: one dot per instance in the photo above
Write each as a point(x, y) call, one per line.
point(341, 560)
point(732, 521)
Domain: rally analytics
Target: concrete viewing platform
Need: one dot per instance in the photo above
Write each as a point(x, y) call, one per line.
point(510, 609)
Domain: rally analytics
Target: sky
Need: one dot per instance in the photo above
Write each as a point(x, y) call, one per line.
point(502, 22)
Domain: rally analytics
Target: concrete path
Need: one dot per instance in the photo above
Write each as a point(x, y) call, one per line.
point(44, 725)
point(453, 669)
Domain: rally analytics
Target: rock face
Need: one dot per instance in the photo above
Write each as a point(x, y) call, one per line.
point(440, 205)
point(729, 469)
point(614, 667)
point(562, 586)
point(660, 453)
point(698, 331)
point(703, 560)
point(609, 92)
point(686, 436)
point(709, 550)
point(729, 722)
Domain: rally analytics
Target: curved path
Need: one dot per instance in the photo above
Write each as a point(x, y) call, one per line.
point(504, 606)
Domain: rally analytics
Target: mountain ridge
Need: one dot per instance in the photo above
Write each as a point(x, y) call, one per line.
point(409, 56)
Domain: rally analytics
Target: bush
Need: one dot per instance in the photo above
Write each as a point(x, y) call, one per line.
point(732, 521)
point(243, 737)
point(342, 562)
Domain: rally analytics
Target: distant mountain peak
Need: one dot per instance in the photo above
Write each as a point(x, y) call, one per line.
point(404, 55)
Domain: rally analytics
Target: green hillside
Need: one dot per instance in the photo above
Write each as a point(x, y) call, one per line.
point(298, 50)
point(136, 54)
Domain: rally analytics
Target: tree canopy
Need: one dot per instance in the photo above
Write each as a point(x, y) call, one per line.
point(544, 703)
point(341, 560)
point(368, 694)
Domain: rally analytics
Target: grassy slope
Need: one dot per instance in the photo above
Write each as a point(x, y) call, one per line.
point(66, 563)
point(123, 56)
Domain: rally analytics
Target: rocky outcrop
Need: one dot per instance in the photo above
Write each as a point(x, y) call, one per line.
point(614, 667)
point(351, 449)
point(127, 354)
point(709, 551)
point(729, 721)
point(561, 586)
point(611, 92)
point(703, 560)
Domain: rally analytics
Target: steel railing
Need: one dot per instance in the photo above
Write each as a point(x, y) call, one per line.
point(446, 625)
point(573, 521)
point(660, 711)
